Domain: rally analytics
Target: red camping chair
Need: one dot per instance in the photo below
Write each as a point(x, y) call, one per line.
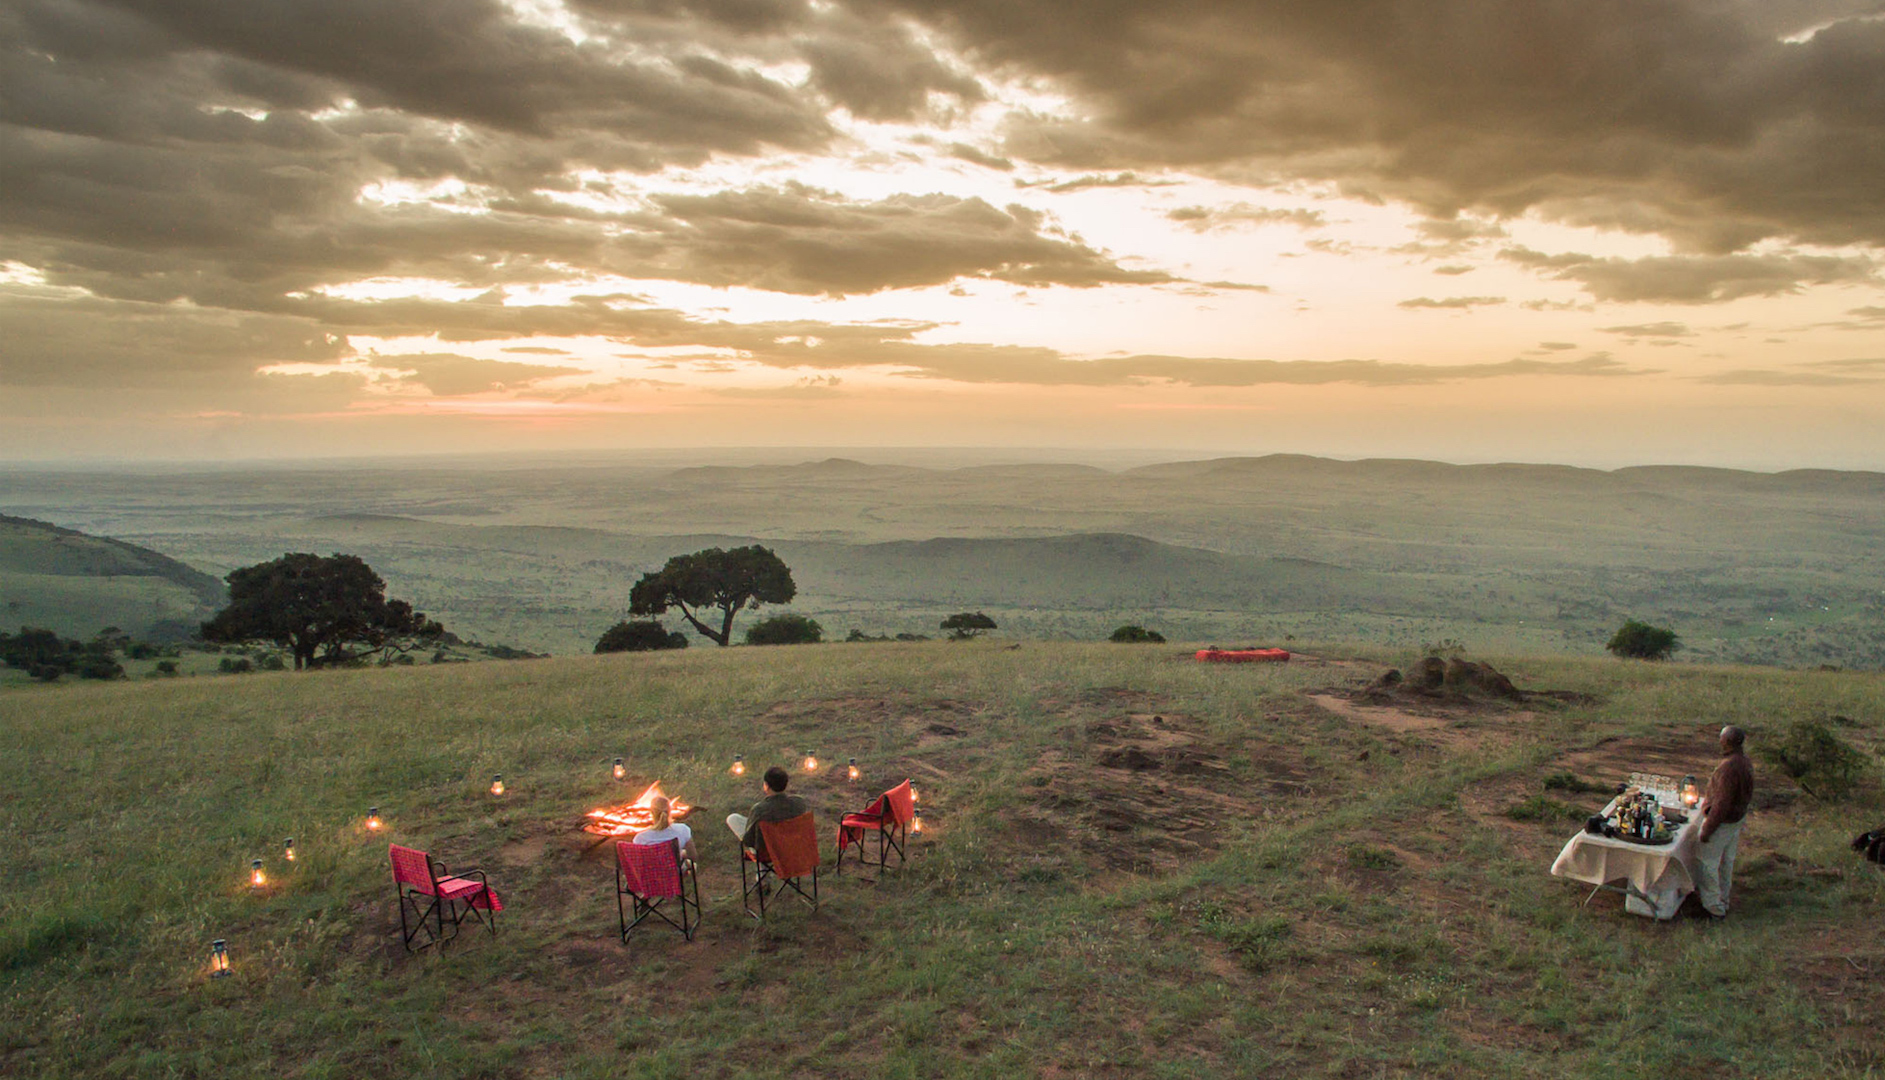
point(437, 898)
point(887, 818)
point(788, 851)
point(650, 875)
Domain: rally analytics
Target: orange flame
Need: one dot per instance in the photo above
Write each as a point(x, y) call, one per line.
point(638, 816)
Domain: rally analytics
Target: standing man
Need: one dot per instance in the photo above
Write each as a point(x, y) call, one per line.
point(776, 806)
point(1723, 809)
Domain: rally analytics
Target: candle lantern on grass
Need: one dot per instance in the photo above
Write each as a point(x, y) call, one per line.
point(373, 819)
point(257, 878)
point(620, 770)
point(288, 849)
point(916, 821)
point(1691, 794)
point(219, 959)
point(739, 766)
point(851, 770)
point(497, 784)
point(811, 761)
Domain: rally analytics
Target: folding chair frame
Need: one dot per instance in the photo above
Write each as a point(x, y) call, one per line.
point(643, 907)
point(416, 916)
point(891, 834)
point(763, 875)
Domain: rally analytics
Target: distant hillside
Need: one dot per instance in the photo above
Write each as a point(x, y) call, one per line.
point(79, 584)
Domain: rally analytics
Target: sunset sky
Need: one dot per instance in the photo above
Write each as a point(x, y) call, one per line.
point(1589, 231)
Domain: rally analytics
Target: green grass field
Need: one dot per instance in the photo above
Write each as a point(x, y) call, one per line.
point(1135, 865)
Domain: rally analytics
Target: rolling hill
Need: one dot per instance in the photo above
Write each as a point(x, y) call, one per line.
point(78, 584)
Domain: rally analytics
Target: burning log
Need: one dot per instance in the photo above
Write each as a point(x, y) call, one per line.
point(627, 819)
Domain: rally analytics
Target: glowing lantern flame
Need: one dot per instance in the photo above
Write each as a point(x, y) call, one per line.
point(373, 818)
point(497, 784)
point(638, 816)
point(811, 761)
point(620, 771)
point(288, 849)
point(218, 958)
point(256, 877)
point(916, 821)
point(1691, 794)
point(739, 766)
point(851, 770)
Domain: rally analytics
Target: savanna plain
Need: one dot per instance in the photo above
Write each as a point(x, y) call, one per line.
point(1133, 864)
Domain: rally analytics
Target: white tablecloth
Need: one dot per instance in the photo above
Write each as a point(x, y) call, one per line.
point(1658, 874)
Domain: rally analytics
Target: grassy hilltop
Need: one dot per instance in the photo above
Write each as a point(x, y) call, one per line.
point(1136, 865)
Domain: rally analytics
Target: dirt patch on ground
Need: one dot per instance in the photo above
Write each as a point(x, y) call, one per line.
point(1145, 792)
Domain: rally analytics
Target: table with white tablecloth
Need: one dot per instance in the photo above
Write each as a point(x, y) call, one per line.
point(1657, 874)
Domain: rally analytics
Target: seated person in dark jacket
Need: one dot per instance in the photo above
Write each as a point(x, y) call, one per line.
point(776, 806)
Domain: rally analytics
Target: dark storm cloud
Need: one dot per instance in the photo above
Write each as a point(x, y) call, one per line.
point(800, 240)
point(1689, 117)
point(1695, 279)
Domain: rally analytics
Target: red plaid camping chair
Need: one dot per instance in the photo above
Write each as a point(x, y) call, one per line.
point(650, 875)
point(787, 855)
point(887, 820)
point(431, 899)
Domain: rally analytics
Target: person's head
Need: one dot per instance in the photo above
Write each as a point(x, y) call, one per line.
point(777, 779)
point(1732, 739)
point(661, 809)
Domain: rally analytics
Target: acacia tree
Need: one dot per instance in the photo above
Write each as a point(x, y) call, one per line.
point(324, 610)
point(964, 625)
point(714, 579)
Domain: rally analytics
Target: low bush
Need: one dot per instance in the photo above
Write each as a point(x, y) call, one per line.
point(1132, 633)
point(1641, 641)
point(1823, 764)
point(785, 630)
point(639, 636)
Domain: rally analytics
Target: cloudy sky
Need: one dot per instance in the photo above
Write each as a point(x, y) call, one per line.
point(1590, 231)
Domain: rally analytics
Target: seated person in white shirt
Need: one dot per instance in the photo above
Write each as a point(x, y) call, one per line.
point(665, 829)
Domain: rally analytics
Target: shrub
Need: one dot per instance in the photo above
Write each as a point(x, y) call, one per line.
point(639, 636)
point(235, 665)
point(785, 630)
point(1132, 633)
point(964, 625)
point(167, 668)
point(1641, 641)
point(1823, 764)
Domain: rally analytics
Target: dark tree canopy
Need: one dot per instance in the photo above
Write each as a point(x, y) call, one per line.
point(727, 581)
point(967, 624)
point(45, 655)
point(324, 610)
point(1642, 641)
point(1134, 633)
point(639, 636)
point(785, 630)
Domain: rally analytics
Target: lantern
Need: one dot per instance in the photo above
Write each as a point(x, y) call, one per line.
point(497, 784)
point(1690, 793)
point(739, 766)
point(851, 770)
point(914, 797)
point(811, 761)
point(620, 771)
point(257, 879)
point(916, 821)
point(288, 849)
point(373, 818)
point(219, 959)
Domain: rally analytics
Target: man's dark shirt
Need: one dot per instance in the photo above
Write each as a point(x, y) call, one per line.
point(1729, 792)
point(780, 807)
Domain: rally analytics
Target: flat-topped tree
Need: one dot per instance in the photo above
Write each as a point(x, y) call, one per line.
point(324, 610)
point(714, 579)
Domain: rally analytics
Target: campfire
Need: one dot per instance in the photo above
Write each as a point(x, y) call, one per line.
point(628, 819)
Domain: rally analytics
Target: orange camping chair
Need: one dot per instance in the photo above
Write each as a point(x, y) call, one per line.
point(787, 855)
point(887, 819)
